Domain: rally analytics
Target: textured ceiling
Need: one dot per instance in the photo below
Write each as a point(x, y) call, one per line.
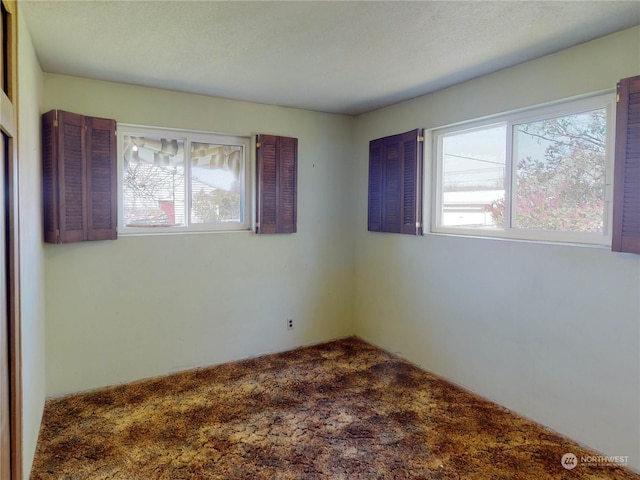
point(344, 57)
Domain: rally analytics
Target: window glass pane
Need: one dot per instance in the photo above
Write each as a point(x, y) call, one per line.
point(216, 187)
point(153, 181)
point(560, 173)
point(473, 182)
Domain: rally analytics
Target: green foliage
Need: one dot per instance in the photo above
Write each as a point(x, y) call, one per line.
point(216, 206)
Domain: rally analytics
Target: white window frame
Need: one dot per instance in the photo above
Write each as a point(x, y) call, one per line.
point(556, 109)
point(189, 137)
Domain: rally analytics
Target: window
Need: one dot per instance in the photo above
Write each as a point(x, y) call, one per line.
point(541, 174)
point(177, 181)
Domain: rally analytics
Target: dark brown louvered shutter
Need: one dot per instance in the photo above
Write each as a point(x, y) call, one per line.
point(71, 170)
point(412, 165)
point(102, 192)
point(395, 183)
point(287, 189)
point(277, 167)
point(375, 185)
point(267, 183)
point(50, 176)
point(626, 201)
point(79, 177)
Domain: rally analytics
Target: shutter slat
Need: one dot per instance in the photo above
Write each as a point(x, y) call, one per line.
point(634, 131)
point(631, 198)
point(626, 202)
point(635, 210)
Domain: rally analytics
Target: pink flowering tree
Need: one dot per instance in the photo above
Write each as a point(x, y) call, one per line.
point(563, 189)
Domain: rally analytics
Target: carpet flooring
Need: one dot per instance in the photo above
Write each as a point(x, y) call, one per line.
point(339, 410)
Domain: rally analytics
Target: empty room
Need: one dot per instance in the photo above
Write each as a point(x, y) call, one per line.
point(308, 240)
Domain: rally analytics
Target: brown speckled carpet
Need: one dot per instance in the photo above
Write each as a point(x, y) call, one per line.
point(340, 410)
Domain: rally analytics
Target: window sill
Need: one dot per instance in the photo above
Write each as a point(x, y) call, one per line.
point(129, 232)
point(599, 246)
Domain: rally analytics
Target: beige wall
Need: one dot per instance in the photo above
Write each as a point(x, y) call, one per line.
point(31, 249)
point(149, 305)
point(551, 331)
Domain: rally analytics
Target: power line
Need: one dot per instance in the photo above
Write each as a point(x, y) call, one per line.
point(473, 171)
point(472, 158)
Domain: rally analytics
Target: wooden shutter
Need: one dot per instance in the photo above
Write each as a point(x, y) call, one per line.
point(626, 202)
point(395, 183)
point(71, 171)
point(412, 166)
point(277, 167)
point(79, 177)
point(102, 187)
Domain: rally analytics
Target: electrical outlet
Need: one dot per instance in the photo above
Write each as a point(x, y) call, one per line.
point(289, 323)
